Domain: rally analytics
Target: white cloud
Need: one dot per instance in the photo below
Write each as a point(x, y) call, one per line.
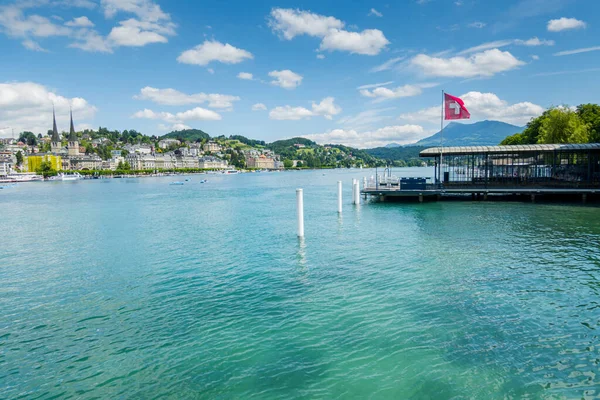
point(32, 45)
point(535, 57)
point(482, 106)
point(365, 120)
point(534, 41)
point(577, 51)
point(212, 50)
point(368, 42)
point(144, 9)
point(246, 76)
point(152, 25)
point(134, 36)
point(15, 24)
point(172, 97)
point(290, 113)
point(320, 56)
point(286, 79)
point(195, 114)
point(290, 23)
point(374, 85)
point(389, 64)
point(174, 127)
point(27, 106)
point(375, 13)
point(485, 64)
point(259, 107)
point(401, 134)
point(326, 108)
point(210, 70)
point(563, 24)
point(477, 25)
point(80, 22)
point(383, 93)
point(92, 41)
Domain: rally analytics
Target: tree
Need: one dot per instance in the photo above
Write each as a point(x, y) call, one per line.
point(288, 163)
point(29, 138)
point(590, 115)
point(124, 153)
point(19, 157)
point(123, 166)
point(46, 169)
point(563, 125)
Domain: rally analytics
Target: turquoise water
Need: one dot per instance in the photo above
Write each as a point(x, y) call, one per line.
point(131, 288)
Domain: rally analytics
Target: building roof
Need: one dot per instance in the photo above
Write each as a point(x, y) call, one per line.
point(463, 150)
point(72, 135)
point(55, 137)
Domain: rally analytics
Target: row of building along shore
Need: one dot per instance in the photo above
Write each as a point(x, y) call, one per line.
point(72, 157)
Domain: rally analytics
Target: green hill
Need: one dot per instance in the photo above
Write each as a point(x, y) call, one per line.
point(190, 135)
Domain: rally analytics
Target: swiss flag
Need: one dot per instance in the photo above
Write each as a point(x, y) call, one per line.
point(455, 108)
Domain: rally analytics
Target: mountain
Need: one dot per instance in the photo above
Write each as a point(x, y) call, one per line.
point(190, 135)
point(392, 145)
point(484, 133)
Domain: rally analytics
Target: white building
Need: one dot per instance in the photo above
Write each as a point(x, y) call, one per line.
point(163, 144)
point(6, 163)
point(209, 162)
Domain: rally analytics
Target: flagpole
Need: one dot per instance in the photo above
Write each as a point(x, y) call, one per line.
point(442, 139)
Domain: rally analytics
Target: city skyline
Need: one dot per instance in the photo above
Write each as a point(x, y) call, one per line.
point(363, 75)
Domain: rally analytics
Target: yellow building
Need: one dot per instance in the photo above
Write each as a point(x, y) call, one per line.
point(34, 162)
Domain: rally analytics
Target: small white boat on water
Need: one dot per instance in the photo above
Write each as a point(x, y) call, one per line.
point(71, 177)
point(231, 172)
point(22, 178)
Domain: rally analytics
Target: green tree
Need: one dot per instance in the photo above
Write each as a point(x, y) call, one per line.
point(123, 166)
point(590, 115)
point(288, 163)
point(19, 157)
point(29, 138)
point(46, 169)
point(124, 153)
point(562, 125)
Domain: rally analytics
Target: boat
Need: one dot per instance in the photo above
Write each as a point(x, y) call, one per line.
point(203, 181)
point(70, 177)
point(23, 178)
point(231, 172)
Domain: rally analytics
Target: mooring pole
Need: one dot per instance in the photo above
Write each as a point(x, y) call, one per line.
point(339, 203)
point(300, 206)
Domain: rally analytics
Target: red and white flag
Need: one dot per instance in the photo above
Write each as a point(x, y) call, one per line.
point(455, 108)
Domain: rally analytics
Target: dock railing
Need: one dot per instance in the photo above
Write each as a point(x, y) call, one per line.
point(387, 183)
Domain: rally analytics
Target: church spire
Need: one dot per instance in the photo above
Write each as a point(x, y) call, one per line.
point(55, 137)
point(72, 135)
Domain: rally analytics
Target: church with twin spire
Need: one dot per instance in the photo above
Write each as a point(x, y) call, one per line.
point(72, 158)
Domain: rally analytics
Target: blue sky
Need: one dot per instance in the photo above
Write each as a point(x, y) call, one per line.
point(359, 73)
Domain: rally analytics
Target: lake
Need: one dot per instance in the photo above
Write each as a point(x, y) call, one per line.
point(132, 288)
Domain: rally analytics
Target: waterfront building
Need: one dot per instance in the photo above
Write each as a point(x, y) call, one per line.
point(261, 162)
point(536, 165)
point(210, 162)
point(32, 163)
point(141, 161)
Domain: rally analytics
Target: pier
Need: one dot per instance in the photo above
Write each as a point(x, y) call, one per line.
point(569, 171)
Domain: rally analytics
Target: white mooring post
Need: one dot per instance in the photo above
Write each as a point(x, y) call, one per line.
point(300, 206)
point(339, 197)
point(353, 189)
point(357, 192)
